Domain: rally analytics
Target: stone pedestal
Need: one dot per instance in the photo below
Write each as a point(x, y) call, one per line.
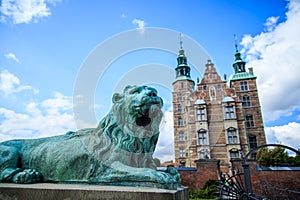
point(48, 191)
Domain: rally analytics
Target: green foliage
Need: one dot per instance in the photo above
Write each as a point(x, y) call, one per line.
point(208, 192)
point(276, 157)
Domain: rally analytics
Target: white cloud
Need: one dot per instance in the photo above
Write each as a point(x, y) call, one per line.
point(51, 117)
point(165, 146)
point(271, 23)
point(57, 104)
point(12, 57)
point(10, 84)
point(123, 15)
point(274, 55)
point(286, 134)
point(24, 11)
point(140, 25)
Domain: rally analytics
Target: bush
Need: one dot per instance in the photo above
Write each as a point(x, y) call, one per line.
point(208, 192)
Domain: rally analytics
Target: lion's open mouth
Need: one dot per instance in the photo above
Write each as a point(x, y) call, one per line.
point(143, 121)
point(147, 112)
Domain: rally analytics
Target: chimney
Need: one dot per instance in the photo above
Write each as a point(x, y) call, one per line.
point(250, 70)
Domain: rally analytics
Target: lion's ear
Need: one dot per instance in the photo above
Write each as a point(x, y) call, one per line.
point(117, 97)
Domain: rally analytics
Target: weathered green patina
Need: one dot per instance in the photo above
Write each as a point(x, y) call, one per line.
point(118, 152)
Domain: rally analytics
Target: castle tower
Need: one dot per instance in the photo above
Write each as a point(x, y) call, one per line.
point(244, 84)
point(183, 87)
point(215, 121)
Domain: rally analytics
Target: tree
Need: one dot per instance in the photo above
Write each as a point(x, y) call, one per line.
point(272, 157)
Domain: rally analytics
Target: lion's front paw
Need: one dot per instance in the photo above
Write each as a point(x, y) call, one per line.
point(162, 177)
point(174, 173)
point(28, 176)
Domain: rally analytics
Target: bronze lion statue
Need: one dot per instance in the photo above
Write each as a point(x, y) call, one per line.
point(118, 152)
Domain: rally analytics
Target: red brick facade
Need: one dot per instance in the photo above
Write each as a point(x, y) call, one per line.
point(214, 120)
point(206, 169)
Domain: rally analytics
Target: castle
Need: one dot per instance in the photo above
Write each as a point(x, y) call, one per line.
point(213, 119)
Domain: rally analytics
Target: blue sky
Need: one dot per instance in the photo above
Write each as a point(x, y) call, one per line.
point(45, 44)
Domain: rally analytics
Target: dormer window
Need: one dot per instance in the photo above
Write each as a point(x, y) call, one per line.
point(200, 112)
point(232, 136)
point(229, 112)
point(202, 137)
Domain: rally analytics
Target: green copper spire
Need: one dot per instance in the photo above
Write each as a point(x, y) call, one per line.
point(182, 69)
point(239, 65)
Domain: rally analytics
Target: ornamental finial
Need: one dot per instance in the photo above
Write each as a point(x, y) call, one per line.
point(180, 39)
point(235, 42)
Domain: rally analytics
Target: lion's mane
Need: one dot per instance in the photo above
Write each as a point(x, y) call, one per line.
point(130, 131)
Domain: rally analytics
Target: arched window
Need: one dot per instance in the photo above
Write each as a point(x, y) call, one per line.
point(202, 137)
point(201, 154)
point(232, 136)
point(234, 153)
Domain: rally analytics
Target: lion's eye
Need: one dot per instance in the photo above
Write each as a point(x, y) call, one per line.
point(134, 91)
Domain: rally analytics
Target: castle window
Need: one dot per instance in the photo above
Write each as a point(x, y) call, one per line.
point(181, 152)
point(182, 85)
point(201, 155)
point(232, 136)
point(229, 112)
point(234, 153)
point(244, 85)
point(246, 101)
point(200, 114)
point(249, 121)
point(181, 136)
point(204, 87)
point(180, 121)
point(252, 142)
point(179, 108)
point(252, 145)
point(202, 137)
point(179, 97)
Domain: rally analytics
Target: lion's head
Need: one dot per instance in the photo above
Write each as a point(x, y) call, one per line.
point(138, 110)
point(132, 126)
